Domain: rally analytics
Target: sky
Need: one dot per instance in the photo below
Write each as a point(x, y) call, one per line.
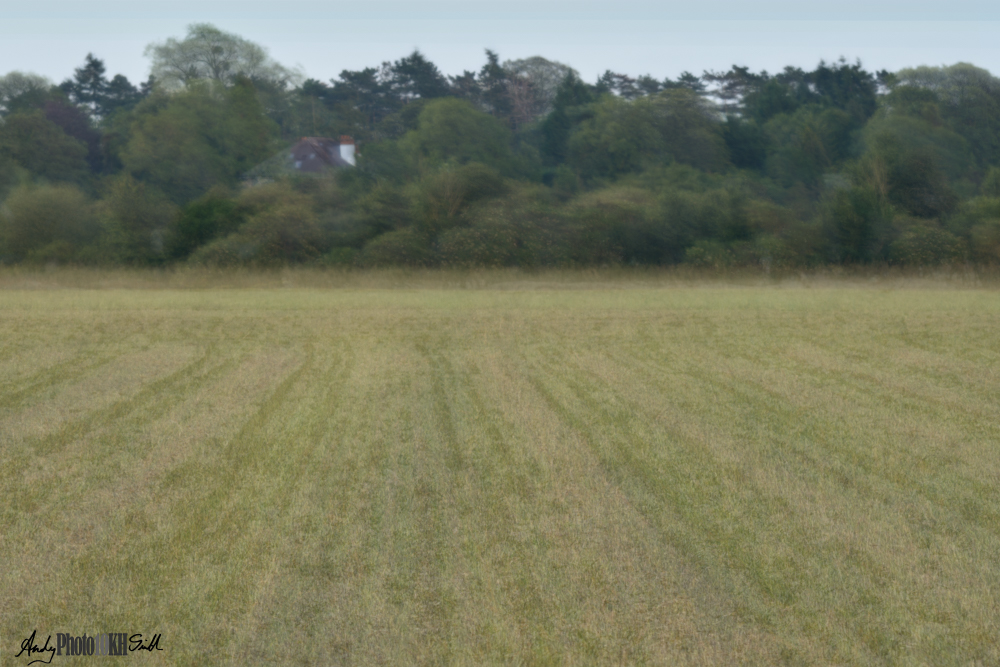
point(322, 38)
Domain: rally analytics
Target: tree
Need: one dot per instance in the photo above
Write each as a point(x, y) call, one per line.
point(88, 85)
point(689, 81)
point(493, 82)
point(968, 99)
point(846, 87)
point(620, 84)
point(75, 123)
point(21, 92)
point(544, 75)
point(43, 148)
point(121, 95)
point(365, 91)
point(90, 89)
point(572, 96)
point(207, 135)
point(209, 53)
point(451, 130)
point(730, 88)
point(415, 77)
point(625, 136)
point(912, 162)
point(214, 215)
point(134, 217)
point(466, 87)
point(46, 222)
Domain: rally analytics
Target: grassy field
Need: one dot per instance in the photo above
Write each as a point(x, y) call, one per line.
point(574, 472)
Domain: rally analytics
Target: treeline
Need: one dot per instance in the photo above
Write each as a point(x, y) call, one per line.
point(518, 163)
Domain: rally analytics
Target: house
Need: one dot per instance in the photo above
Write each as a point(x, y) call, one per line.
point(310, 155)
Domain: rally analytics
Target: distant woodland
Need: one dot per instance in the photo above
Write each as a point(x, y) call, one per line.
point(514, 163)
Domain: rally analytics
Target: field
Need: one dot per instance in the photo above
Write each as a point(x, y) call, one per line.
point(592, 471)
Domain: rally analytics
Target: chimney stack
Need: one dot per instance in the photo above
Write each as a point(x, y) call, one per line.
point(347, 149)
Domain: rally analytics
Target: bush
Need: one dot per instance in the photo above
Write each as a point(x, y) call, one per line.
point(213, 215)
point(46, 223)
point(984, 242)
point(135, 218)
point(340, 257)
point(467, 247)
point(858, 222)
point(619, 224)
point(521, 229)
point(709, 254)
point(404, 247)
point(444, 196)
point(284, 233)
point(923, 243)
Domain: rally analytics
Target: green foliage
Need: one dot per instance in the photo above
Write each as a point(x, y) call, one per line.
point(914, 162)
point(402, 247)
point(771, 99)
point(984, 241)
point(443, 197)
point(451, 130)
point(340, 256)
point(11, 174)
point(894, 134)
point(923, 243)
point(708, 254)
point(859, 221)
point(43, 148)
point(519, 229)
point(90, 89)
point(968, 101)
point(207, 53)
point(281, 227)
point(990, 185)
point(620, 224)
point(569, 108)
point(624, 137)
point(806, 144)
point(23, 92)
point(978, 221)
point(285, 233)
point(386, 207)
point(213, 215)
point(478, 246)
point(729, 169)
point(747, 143)
point(46, 223)
point(188, 142)
point(135, 217)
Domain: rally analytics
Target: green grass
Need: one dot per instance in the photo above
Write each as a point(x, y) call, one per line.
point(542, 470)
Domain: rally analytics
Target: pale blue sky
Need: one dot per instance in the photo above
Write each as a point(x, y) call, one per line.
point(51, 37)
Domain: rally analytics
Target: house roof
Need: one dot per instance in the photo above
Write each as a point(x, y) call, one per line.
point(309, 155)
point(315, 154)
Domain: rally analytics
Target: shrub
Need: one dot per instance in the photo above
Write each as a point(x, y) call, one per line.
point(46, 223)
point(444, 196)
point(466, 247)
point(923, 243)
point(709, 254)
point(984, 242)
point(211, 216)
point(284, 233)
point(135, 218)
point(403, 247)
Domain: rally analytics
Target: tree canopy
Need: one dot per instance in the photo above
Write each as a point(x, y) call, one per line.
point(511, 162)
point(209, 53)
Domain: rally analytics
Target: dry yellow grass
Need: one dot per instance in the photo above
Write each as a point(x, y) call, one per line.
point(554, 468)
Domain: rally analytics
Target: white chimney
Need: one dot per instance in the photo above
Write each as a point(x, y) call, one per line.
point(347, 149)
